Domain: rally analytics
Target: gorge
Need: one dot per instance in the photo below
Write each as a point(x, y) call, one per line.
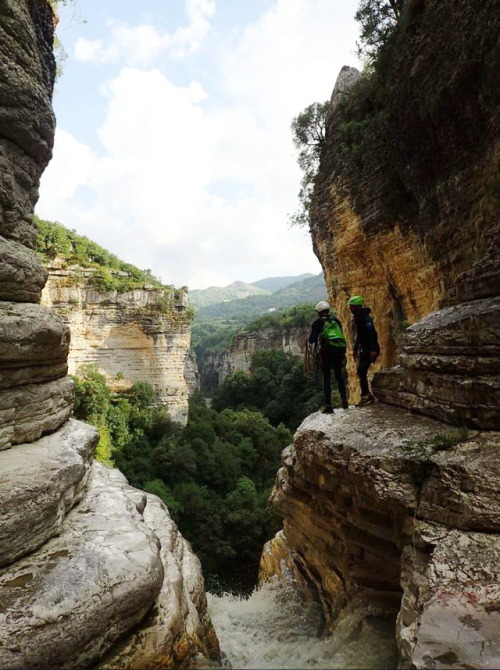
point(389, 550)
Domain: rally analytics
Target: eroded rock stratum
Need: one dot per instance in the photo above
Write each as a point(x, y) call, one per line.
point(91, 570)
point(397, 504)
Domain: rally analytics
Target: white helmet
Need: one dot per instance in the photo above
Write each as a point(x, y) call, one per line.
point(321, 306)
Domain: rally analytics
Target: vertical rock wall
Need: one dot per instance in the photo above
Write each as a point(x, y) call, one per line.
point(215, 367)
point(380, 503)
point(140, 335)
point(89, 567)
point(401, 212)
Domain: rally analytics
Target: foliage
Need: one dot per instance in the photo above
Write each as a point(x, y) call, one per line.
point(378, 19)
point(423, 449)
point(215, 475)
point(309, 136)
point(276, 387)
point(54, 240)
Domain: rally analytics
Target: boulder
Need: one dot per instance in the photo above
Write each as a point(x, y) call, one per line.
point(48, 477)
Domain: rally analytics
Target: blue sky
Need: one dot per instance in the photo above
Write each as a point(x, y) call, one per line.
point(173, 146)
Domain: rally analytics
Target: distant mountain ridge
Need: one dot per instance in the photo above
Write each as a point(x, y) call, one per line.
point(273, 284)
point(238, 290)
point(308, 290)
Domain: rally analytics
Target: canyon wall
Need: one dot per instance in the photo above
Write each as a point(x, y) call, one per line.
point(92, 571)
point(140, 335)
point(406, 198)
point(396, 506)
point(216, 366)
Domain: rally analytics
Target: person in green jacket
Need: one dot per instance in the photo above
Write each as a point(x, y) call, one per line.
point(331, 352)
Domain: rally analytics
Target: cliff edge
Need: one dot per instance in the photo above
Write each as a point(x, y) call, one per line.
point(396, 505)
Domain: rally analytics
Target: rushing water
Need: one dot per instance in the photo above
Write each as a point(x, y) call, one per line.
point(273, 628)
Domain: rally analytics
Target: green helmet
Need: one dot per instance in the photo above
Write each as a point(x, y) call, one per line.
point(356, 300)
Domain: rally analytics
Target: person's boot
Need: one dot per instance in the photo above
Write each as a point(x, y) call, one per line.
point(365, 400)
point(327, 409)
point(345, 404)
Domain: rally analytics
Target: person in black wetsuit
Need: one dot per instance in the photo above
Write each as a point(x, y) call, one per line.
point(329, 357)
point(366, 347)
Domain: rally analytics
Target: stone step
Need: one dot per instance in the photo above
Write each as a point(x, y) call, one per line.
point(39, 483)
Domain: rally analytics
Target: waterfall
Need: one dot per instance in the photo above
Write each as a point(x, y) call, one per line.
point(274, 628)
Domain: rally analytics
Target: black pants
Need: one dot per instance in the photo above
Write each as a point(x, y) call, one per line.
point(364, 362)
point(333, 360)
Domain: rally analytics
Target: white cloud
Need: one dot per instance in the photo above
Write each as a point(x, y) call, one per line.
point(141, 45)
point(195, 188)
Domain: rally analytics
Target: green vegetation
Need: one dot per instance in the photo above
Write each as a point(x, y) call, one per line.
point(215, 475)
point(378, 20)
point(215, 326)
point(56, 241)
point(235, 291)
point(423, 449)
point(309, 137)
point(276, 387)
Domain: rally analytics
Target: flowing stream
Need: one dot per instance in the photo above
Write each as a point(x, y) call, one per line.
point(273, 628)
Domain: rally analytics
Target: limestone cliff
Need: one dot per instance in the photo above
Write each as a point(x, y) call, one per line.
point(140, 335)
point(91, 570)
point(382, 505)
point(216, 366)
point(407, 193)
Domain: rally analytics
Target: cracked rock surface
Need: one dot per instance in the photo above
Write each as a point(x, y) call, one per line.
point(356, 491)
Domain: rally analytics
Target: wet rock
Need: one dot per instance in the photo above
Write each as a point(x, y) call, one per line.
point(178, 630)
point(354, 484)
point(65, 605)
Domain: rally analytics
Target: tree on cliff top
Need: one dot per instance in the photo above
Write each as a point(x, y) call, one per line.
point(378, 19)
point(309, 136)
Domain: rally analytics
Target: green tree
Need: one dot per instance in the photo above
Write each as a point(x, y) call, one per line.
point(309, 136)
point(378, 19)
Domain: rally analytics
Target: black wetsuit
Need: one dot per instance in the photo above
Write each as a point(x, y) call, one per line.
point(366, 341)
point(332, 358)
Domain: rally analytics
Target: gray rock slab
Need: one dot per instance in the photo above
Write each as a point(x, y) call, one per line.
point(39, 483)
point(179, 631)
point(27, 412)
point(457, 486)
point(470, 328)
point(450, 615)
point(34, 344)
point(65, 605)
point(22, 276)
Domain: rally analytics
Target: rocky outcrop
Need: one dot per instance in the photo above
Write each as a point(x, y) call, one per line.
point(449, 366)
point(406, 198)
point(404, 511)
point(90, 568)
point(216, 366)
point(140, 335)
point(395, 506)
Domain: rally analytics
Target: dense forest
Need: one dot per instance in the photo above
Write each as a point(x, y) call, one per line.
point(216, 474)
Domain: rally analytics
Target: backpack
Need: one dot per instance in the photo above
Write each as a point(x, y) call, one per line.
point(332, 335)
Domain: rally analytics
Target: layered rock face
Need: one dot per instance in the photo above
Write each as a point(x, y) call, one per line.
point(379, 503)
point(91, 570)
point(417, 205)
point(374, 512)
point(140, 335)
point(215, 367)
